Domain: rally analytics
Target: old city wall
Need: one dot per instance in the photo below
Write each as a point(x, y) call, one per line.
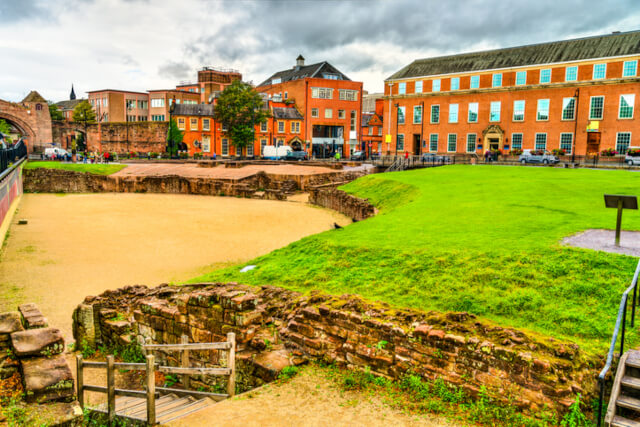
point(276, 327)
point(329, 197)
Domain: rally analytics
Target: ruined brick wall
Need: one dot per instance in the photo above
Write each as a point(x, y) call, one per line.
point(126, 137)
point(275, 327)
point(332, 198)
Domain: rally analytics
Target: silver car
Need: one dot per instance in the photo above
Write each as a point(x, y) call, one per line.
point(529, 156)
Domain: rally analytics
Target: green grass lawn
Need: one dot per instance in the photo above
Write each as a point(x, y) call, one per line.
point(98, 169)
point(483, 239)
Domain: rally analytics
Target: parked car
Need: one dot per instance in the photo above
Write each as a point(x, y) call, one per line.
point(358, 155)
point(296, 155)
point(632, 157)
point(58, 152)
point(537, 156)
point(435, 158)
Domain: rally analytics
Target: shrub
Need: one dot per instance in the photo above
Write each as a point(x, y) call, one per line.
point(609, 152)
point(515, 152)
point(634, 152)
point(288, 372)
point(559, 151)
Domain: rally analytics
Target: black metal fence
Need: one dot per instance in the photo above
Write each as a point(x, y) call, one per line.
point(415, 162)
point(11, 155)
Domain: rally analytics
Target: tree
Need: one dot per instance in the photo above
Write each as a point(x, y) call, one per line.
point(239, 109)
point(84, 113)
point(55, 113)
point(174, 138)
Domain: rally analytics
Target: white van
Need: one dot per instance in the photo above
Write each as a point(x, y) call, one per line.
point(632, 157)
point(50, 152)
point(270, 152)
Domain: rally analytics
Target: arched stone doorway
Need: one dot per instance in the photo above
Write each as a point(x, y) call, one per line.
point(296, 144)
point(493, 137)
point(23, 129)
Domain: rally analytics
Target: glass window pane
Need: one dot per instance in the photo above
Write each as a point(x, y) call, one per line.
point(518, 111)
point(545, 75)
point(453, 113)
point(541, 141)
point(475, 82)
point(497, 80)
point(452, 142)
point(596, 108)
point(571, 74)
point(566, 142)
point(433, 142)
point(568, 108)
point(436, 85)
point(626, 106)
point(418, 87)
point(543, 109)
point(471, 142)
point(516, 141)
point(630, 68)
point(473, 112)
point(599, 71)
point(417, 114)
point(455, 83)
point(494, 114)
point(623, 140)
point(435, 114)
point(521, 78)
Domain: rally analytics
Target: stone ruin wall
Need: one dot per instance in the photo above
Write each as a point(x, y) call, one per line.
point(329, 197)
point(275, 328)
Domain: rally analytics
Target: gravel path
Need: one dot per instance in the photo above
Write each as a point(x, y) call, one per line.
point(604, 240)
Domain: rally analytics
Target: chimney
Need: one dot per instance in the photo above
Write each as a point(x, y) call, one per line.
point(300, 61)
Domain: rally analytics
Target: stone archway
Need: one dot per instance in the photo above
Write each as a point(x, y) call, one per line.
point(295, 143)
point(31, 116)
point(493, 137)
point(25, 130)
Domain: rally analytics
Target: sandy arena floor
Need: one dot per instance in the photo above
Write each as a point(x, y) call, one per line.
point(79, 245)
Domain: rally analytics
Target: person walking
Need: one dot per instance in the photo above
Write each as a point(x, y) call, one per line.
point(337, 156)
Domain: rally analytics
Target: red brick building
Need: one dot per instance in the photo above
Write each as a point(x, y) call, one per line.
point(210, 80)
point(197, 124)
point(329, 102)
point(113, 105)
point(575, 94)
point(372, 129)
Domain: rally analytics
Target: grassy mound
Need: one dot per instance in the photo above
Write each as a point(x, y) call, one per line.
point(97, 169)
point(478, 239)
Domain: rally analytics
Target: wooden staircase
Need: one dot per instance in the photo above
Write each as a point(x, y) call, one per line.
point(168, 407)
point(624, 404)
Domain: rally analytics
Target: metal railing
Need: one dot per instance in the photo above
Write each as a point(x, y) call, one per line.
point(398, 163)
point(12, 155)
point(620, 321)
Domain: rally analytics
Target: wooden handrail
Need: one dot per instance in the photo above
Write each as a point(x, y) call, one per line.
point(189, 346)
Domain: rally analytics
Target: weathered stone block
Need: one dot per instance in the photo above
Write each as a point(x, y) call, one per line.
point(47, 379)
point(32, 316)
point(37, 342)
point(10, 322)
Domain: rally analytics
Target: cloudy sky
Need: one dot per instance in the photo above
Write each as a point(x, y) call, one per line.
point(153, 44)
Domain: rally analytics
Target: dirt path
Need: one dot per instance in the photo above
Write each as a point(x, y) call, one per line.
point(79, 245)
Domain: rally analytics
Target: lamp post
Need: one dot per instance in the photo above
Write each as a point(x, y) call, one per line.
point(397, 124)
point(128, 109)
point(575, 129)
point(171, 108)
point(421, 127)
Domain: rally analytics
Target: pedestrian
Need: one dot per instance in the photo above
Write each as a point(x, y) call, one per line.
point(406, 155)
point(337, 156)
point(487, 154)
point(106, 157)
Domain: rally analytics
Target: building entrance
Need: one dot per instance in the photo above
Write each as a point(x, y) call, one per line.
point(416, 144)
point(593, 143)
point(494, 144)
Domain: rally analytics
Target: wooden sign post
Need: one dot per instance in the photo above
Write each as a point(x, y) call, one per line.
point(620, 202)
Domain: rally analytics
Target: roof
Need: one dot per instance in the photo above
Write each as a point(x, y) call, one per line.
point(305, 71)
point(116, 90)
point(206, 110)
point(69, 104)
point(286, 113)
point(34, 96)
point(365, 119)
point(616, 44)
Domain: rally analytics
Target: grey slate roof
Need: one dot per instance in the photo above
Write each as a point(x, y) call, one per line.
point(365, 119)
point(616, 44)
point(69, 104)
point(206, 110)
point(286, 113)
point(313, 70)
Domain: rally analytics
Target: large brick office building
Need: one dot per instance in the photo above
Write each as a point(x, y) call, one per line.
point(575, 94)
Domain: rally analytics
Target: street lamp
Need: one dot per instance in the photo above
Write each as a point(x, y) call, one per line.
point(397, 120)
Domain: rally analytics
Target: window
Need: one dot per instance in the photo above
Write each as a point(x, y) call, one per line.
point(286, 96)
point(380, 131)
point(341, 114)
point(474, 82)
point(370, 130)
point(263, 126)
point(545, 75)
point(322, 92)
point(418, 88)
point(417, 114)
point(471, 143)
point(521, 78)
point(455, 83)
point(402, 88)
point(497, 80)
point(596, 108)
point(518, 111)
point(630, 68)
point(105, 102)
point(473, 112)
point(623, 140)
point(436, 86)
point(516, 141)
point(452, 142)
point(295, 127)
point(626, 106)
point(206, 143)
point(130, 103)
point(354, 116)
point(435, 114)
point(571, 74)
point(157, 102)
point(328, 113)
point(263, 143)
point(568, 108)
point(453, 113)
point(225, 147)
point(194, 124)
point(348, 95)
point(250, 149)
point(401, 115)
point(566, 142)
point(433, 142)
point(224, 128)
point(599, 71)
point(131, 118)
point(206, 124)
point(276, 81)
point(314, 112)
point(181, 123)
point(331, 76)
point(541, 141)
point(494, 112)
point(543, 109)
point(400, 142)
point(280, 126)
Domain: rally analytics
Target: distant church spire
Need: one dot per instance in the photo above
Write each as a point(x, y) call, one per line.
point(72, 96)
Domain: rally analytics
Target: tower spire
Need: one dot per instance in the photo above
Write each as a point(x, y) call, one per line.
point(72, 96)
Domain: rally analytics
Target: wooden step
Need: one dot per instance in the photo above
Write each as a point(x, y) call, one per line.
point(632, 382)
point(161, 407)
point(619, 421)
point(629, 403)
point(181, 411)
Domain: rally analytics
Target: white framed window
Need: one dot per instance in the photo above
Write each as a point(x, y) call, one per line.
point(518, 111)
point(626, 106)
point(224, 128)
point(433, 142)
point(571, 74)
point(521, 78)
point(157, 102)
point(250, 149)
point(630, 68)
point(455, 83)
point(402, 88)
point(596, 108)
point(225, 147)
point(568, 108)
point(263, 126)
point(206, 124)
point(435, 85)
point(348, 95)
point(401, 115)
point(206, 143)
point(322, 92)
point(453, 113)
point(473, 112)
point(435, 114)
point(328, 113)
point(314, 112)
point(181, 123)
point(417, 114)
point(623, 141)
point(452, 143)
point(566, 142)
point(471, 142)
point(400, 142)
point(418, 87)
point(280, 126)
point(380, 131)
point(370, 130)
point(543, 110)
point(193, 124)
point(599, 71)
point(545, 75)
point(263, 143)
point(496, 80)
point(341, 114)
point(494, 111)
point(516, 141)
point(541, 141)
point(474, 82)
point(295, 127)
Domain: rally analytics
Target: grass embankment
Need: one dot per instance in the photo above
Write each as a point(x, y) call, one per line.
point(478, 239)
point(97, 169)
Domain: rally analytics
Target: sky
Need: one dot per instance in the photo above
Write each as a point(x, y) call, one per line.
point(140, 45)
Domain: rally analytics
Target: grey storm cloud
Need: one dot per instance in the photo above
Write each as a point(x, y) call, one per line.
point(175, 70)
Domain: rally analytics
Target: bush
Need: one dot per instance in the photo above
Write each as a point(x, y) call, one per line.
point(634, 152)
point(515, 152)
point(288, 372)
point(609, 152)
point(559, 151)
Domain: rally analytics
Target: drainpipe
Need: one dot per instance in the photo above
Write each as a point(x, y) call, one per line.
point(421, 128)
point(390, 84)
point(575, 129)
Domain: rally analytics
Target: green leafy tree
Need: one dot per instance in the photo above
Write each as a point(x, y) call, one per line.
point(56, 114)
point(239, 109)
point(83, 113)
point(174, 138)
point(4, 127)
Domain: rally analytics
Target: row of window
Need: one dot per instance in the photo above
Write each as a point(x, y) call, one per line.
point(629, 69)
point(99, 102)
point(327, 93)
point(157, 118)
point(193, 124)
point(132, 103)
point(371, 130)
point(596, 110)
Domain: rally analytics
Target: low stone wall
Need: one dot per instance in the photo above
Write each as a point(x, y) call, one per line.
point(332, 198)
point(275, 327)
